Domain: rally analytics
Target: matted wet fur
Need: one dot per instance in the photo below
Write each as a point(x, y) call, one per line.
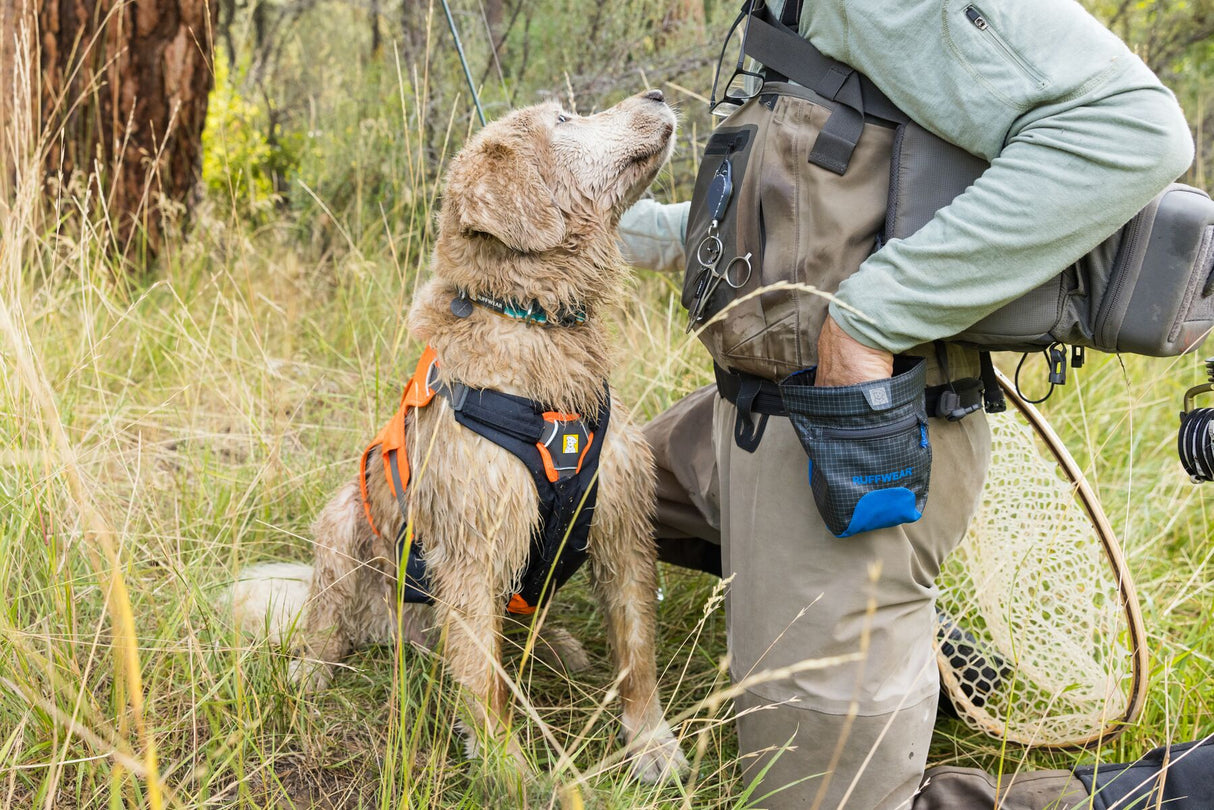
point(529, 212)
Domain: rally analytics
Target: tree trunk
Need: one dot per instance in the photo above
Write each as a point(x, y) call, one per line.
point(124, 89)
point(682, 14)
point(16, 37)
point(413, 16)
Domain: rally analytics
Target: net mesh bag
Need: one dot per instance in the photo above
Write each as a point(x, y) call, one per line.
point(1039, 640)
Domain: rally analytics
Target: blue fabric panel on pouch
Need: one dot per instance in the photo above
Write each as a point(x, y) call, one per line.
point(882, 509)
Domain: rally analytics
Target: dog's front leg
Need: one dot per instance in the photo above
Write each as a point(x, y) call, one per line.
point(623, 561)
point(469, 610)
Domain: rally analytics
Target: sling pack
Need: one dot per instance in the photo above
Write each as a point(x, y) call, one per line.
point(1178, 777)
point(558, 449)
point(808, 177)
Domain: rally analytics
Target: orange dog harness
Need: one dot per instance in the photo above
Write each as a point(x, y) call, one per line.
point(390, 440)
point(558, 449)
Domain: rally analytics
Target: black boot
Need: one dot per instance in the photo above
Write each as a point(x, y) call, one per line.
point(979, 671)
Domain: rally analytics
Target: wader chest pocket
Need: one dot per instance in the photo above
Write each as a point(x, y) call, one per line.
point(869, 454)
point(726, 219)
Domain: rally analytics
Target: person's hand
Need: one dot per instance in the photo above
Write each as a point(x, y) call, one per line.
point(842, 360)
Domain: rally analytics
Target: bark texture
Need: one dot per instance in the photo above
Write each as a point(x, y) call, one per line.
point(123, 97)
point(682, 14)
point(16, 35)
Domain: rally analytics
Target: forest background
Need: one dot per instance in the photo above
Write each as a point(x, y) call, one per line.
point(188, 376)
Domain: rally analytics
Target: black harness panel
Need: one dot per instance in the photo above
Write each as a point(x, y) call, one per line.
point(561, 451)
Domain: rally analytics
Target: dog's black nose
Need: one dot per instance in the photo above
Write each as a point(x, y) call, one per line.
point(655, 95)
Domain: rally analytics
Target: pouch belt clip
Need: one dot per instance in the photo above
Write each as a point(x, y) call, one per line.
point(752, 396)
point(955, 400)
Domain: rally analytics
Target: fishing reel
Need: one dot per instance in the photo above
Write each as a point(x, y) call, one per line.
point(1195, 444)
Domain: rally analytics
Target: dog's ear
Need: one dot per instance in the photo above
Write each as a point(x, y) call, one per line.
point(503, 195)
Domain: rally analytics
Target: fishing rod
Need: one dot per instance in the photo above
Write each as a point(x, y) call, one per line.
point(463, 60)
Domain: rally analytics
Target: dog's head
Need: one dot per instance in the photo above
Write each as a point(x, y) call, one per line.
point(543, 179)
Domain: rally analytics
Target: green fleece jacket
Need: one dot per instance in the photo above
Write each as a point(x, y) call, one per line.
point(1080, 135)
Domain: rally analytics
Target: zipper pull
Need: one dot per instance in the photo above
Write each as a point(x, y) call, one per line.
point(975, 16)
point(720, 190)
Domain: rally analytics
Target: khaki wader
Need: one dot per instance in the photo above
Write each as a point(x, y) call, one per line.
point(833, 637)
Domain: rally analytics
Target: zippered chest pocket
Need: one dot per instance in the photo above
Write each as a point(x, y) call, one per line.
point(995, 55)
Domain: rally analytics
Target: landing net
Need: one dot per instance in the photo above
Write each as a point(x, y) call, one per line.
point(1041, 640)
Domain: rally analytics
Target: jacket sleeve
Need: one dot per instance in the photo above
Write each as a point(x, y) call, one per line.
point(652, 234)
point(1062, 184)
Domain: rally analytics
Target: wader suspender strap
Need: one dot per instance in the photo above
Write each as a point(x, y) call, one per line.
point(781, 49)
point(790, 18)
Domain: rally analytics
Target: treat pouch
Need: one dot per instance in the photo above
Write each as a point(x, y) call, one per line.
point(869, 454)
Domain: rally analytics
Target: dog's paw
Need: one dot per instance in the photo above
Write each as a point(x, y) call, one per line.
point(310, 676)
point(575, 659)
point(564, 649)
point(657, 757)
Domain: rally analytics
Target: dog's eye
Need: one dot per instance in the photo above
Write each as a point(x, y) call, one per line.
point(561, 118)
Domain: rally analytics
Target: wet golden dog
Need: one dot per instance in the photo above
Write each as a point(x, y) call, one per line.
point(529, 214)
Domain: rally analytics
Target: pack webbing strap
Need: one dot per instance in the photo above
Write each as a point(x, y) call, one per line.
point(781, 49)
point(790, 15)
point(992, 393)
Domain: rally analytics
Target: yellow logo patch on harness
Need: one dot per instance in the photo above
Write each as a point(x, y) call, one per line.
point(562, 449)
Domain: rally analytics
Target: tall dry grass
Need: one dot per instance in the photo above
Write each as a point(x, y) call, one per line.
point(158, 436)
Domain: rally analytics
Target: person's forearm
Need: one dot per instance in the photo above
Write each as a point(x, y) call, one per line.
point(1060, 187)
point(652, 234)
